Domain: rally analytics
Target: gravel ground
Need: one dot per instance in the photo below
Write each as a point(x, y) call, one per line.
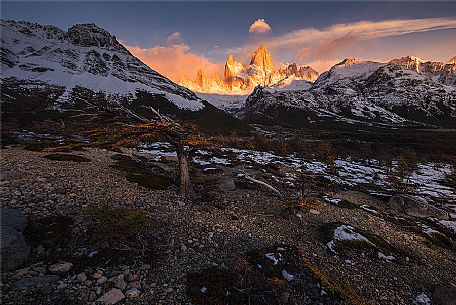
point(201, 235)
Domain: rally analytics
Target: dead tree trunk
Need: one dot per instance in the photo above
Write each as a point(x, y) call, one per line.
point(185, 188)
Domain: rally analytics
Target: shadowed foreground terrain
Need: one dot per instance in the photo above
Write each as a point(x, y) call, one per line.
point(95, 235)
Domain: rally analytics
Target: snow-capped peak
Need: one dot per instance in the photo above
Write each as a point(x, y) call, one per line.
point(452, 60)
point(350, 61)
point(85, 56)
point(410, 62)
point(348, 69)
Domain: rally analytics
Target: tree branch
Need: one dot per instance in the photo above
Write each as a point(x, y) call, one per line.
point(268, 186)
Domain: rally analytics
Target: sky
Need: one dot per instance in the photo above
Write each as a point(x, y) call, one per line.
point(177, 38)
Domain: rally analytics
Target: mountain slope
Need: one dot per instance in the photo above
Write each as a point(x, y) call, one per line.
point(402, 92)
point(85, 56)
point(50, 74)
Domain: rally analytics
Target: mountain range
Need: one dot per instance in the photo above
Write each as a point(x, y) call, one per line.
point(45, 68)
point(404, 91)
point(50, 72)
point(240, 78)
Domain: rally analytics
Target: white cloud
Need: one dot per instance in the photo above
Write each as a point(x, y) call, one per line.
point(259, 26)
point(174, 38)
point(364, 30)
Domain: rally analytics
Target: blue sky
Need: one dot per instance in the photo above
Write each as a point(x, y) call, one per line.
point(212, 29)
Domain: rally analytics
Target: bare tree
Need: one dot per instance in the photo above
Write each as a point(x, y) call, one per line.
point(179, 135)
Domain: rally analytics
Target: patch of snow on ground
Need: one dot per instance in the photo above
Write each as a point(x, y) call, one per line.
point(157, 152)
point(346, 232)
point(218, 160)
point(387, 258)
point(427, 176)
point(426, 180)
point(287, 276)
point(449, 224)
point(335, 201)
point(427, 230)
point(273, 258)
point(368, 208)
point(422, 299)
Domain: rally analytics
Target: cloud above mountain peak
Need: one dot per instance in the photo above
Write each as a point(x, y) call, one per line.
point(260, 26)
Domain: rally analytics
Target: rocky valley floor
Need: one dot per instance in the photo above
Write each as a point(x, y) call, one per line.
point(97, 237)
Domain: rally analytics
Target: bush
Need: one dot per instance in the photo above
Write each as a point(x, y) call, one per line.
point(117, 224)
point(302, 147)
point(399, 177)
point(325, 152)
point(260, 142)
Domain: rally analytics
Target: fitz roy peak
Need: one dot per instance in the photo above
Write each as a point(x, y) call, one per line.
point(240, 78)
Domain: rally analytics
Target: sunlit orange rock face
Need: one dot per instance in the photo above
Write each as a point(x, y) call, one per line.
point(239, 78)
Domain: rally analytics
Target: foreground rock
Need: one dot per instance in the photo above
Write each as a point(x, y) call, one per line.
point(227, 184)
point(111, 297)
point(415, 206)
point(14, 250)
point(60, 267)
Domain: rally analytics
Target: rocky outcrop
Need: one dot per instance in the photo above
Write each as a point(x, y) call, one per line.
point(299, 72)
point(415, 206)
point(262, 59)
point(241, 78)
point(90, 35)
point(226, 184)
point(14, 250)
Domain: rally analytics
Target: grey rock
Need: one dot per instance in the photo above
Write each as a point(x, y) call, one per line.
point(14, 248)
point(111, 297)
point(81, 277)
point(13, 218)
point(120, 283)
point(97, 275)
point(34, 281)
point(102, 280)
point(226, 184)
point(415, 206)
point(133, 293)
point(60, 267)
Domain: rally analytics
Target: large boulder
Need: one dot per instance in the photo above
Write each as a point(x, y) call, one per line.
point(14, 248)
point(415, 206)
point(13, 218)
point(226, 184)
